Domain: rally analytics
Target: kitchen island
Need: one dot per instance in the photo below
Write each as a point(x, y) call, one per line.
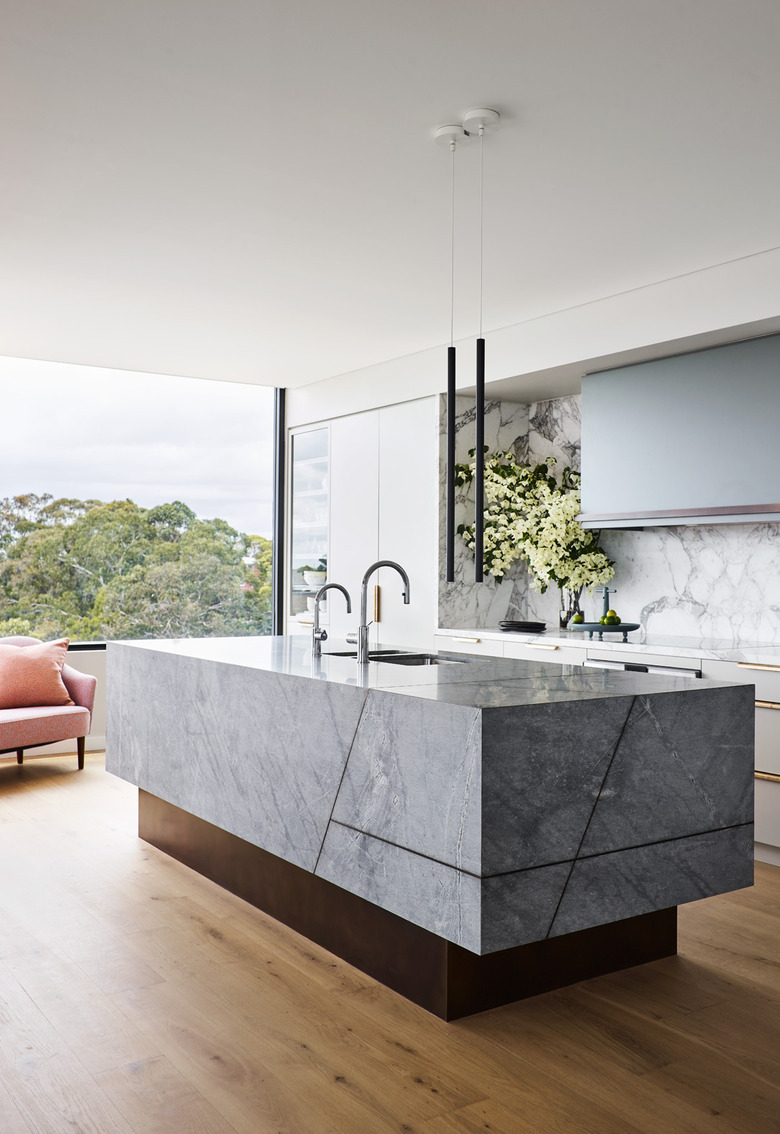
point(468, 831)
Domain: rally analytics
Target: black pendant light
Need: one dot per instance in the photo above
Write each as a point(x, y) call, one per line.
point(451, 136)
point(478, 122)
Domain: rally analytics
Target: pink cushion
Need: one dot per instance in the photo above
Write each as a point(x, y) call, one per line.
point(25, 728)
point(32, 675)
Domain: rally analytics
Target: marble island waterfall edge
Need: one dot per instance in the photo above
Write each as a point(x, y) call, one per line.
point(490, 824)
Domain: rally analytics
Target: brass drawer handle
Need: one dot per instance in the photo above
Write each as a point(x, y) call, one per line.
point(773, 779)
point(755, 665)
point(767, 705)
point(540, 646)
point(459, 638)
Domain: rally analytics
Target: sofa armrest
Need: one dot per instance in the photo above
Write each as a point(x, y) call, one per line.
point(80, 686)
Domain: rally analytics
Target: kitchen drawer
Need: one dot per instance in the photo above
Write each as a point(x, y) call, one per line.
point(637, 657)
point(544, 652)
point(768, 738)
point(470, 644)
point(766, 681)
point(767, 812)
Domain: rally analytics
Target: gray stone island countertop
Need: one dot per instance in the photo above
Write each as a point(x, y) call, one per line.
point(493, 802)
point(463, 678)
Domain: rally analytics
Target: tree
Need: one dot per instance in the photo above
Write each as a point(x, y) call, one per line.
point(91, 570)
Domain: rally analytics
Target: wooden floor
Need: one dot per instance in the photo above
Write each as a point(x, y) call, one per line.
point(136, 996)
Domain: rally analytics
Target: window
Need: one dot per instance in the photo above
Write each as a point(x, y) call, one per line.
point(133, 505)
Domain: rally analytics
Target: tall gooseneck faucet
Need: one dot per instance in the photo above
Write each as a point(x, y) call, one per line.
point(319, 636)
point(362, 644)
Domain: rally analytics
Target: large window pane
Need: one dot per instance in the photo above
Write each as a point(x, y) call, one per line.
point(133, 505)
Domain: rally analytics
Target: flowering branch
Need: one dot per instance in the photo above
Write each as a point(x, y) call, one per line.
point(529, 516)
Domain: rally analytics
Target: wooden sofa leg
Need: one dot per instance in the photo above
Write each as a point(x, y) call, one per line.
point(80, 742)
point(19, 755)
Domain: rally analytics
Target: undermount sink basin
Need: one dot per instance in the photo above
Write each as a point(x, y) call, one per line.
point(374, 655)
point(419, 659)
point(397, 657)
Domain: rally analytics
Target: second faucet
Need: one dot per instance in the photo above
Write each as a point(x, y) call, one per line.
point(362, 642)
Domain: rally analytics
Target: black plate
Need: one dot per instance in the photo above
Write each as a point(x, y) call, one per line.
point(523, 627)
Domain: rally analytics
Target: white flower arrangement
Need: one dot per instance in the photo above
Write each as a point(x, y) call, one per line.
point(529, 516)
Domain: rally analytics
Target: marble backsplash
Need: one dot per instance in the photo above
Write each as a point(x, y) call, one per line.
point(704, 581)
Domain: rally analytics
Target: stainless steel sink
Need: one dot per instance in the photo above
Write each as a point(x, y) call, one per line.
point(397, 657)
point(374, 655)
point(420, 659)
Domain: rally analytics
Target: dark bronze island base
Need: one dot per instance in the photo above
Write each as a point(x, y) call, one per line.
point(441, 977)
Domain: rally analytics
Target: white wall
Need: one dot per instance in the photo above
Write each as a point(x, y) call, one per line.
point(728, 301)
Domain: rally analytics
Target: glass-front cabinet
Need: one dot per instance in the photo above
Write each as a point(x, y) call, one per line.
point(309, 516)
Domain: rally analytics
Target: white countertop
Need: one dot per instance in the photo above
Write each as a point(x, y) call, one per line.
point(638, 642)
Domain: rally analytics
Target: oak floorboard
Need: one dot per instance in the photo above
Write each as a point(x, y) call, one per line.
point(559, 1115)
point(84, 1017)
point(138, 998)
point(49, 1085)
point(317, 1052)
point(11, 1121)
point(157, 1099)
point(237, 1079)
point(726, 1027)
point(513, 1055)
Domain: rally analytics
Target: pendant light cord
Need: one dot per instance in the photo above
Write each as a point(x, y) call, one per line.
point(452, 247)
point(481, 215)
point(479, 463)
point(451, 387)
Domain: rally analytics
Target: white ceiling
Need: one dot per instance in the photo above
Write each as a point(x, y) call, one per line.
point(249, 190)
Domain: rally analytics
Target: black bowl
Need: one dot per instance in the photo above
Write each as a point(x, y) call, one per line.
point(523, 627)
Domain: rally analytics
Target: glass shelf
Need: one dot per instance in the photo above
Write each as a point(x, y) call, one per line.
point(309, 495)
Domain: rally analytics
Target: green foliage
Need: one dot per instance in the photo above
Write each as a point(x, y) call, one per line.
point(91, 570)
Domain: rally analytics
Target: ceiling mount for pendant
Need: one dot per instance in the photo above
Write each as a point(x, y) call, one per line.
point(481, 120)
point(450, 135)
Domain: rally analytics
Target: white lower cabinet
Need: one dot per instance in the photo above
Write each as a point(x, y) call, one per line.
point(684, 666)
point(767, 683)
point(544, 652)
point(509, 647)
point(470, 644)
point(768, 738)
point(768, 819)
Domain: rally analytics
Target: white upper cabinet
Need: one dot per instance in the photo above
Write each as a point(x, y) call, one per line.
point(384, 505)
point(354, 492)
point(408, 520)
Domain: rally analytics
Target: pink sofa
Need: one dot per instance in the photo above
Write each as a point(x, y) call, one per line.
point(49, 724)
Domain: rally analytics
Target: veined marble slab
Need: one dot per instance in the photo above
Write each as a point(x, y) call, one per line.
point(494, 802)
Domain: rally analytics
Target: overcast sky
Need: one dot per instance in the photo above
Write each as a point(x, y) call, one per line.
point(84, 432)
